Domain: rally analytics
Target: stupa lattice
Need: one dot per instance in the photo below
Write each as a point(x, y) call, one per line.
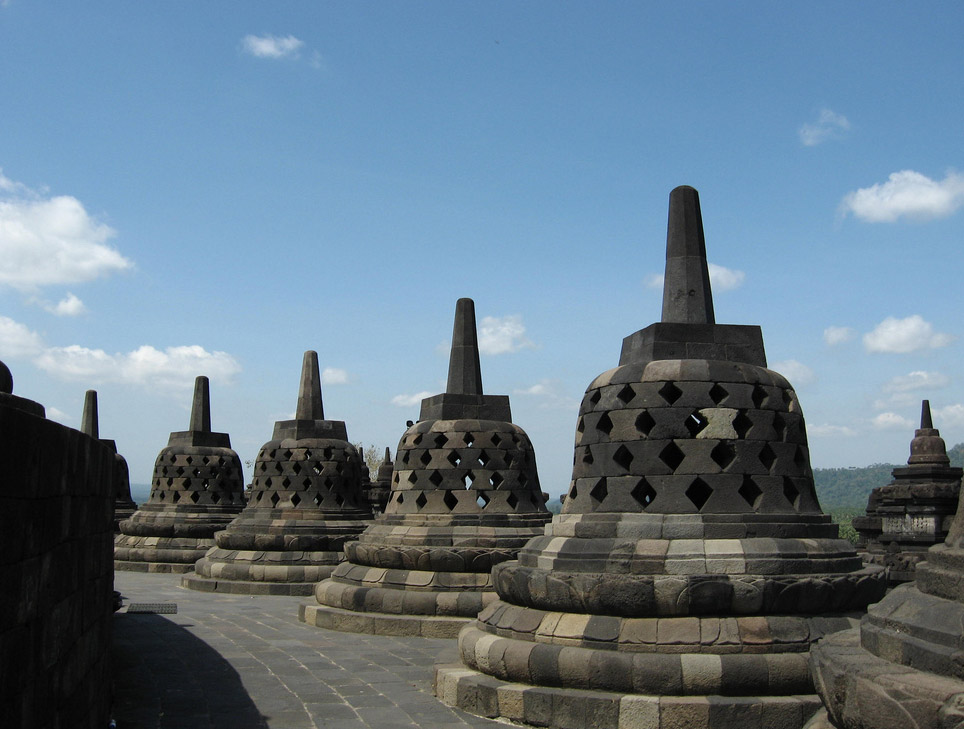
point(124, 506)
point(465, 496)
point(691, 568)
point(914, 511)
point(196, 490)
point(305, 502)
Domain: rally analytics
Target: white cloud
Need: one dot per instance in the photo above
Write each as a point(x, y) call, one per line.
point(900, 336)
point(334, 376)
point(917, 380)
point(51, 240)
point(721, 278)
point(502, 335)
point(892, 421)
point(829, 125)
point(837, 335)
point(948, 416)
point(539, 389)
point(59, 415)
point(70, 305)
point(175, 367)
point(830, 431)
point(906, 194)
point(547, 391)
point(797, 372)
point(407, 401)
point(16, 340)
point(272, 46)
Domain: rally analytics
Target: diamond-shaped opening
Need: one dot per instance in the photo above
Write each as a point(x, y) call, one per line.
point(742, 424)
point(626, 394)
point(307, 454)
point(604, 424)
point(454, 458)
point(670, 393)
point(512, 500)
point(285, 482)
point(643, 493)
point(205, 460)
point(759, 396)
point(573, 492)
point(306, 483)
point(421, 499)
point(468, 479)
point(482, 500)
point(179, 470)
point(395, 478)
point(441, 440)
point(787, 397)
point(412, 478)
point(718, 393)
point(263, 466)
point(401, 499)
point(672, 456)
point(645, 422)
point(195, 496)
point(780, 426)
point(339, 466)
point(257, 496)
point(799, 459)
point(791, 492)
point(175, 497)
point(328, 482)
point(189, 460)
point(287, 454)
point(220, 461)
point(523, 479)
point(509, 458)
point(767, 456)
point(278, 467)
point(405, 456)
point(600, 491)
point(435, 478)
point(170, 482)
point(750, 491)
point(215, 497)
point(695, 422)
point(483, 458)
point(417, 439)
point(495, 479)
point(425, 458)
point(173, 458)
point(160, 495)
point(267, 482)
point(699, 493)
point(317, 499)
point(275, 498)
point(468, 439)
point(581, 425)
point(450, 500)
point(339, 499)
point(594, 398)
point(295, 500)
point(622, 457)
point(164, 470)
point(296, 468)
point(205, 483)
point(587, 456)
point(723, 454)
point(496, 439)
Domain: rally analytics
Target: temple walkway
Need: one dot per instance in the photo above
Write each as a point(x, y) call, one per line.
point(246, 662)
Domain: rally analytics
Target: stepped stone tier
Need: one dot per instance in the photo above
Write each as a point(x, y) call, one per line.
point(197, 489)
point(903, 666)
point(380, 489)
point(691, 567)
point(465, 496)
point(124, 506)
point(915, 510)
point(305, 502)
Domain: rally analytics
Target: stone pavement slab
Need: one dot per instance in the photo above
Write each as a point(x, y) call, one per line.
point(246, 662)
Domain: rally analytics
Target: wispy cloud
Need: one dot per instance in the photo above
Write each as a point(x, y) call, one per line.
point(797, 372)
point(830, 431)
point(502, 335)
point(407, 401)
point(547, 392)
point(917, 380)
point(272, 46)
point(16, 340)
point(892, 421)
point(948, 416)
point(721, 278)
point(837, 335)
point(900, 336)
point(829, 125)
point(70, 305)
point(334, 376)
point(51, 240)
point(906, 194)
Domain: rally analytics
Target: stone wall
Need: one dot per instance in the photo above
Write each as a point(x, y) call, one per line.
point(56, 572)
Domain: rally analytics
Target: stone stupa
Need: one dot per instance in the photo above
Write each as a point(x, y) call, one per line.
point(197, 489)
point(380, 489)
point(691, 568)
point(124, 506)
point(465, 496)
point(914, 511)
point(305, 502)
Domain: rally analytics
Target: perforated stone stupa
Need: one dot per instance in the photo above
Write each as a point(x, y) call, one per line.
point(124, 506)
point(465, 496)
point(691, 567)
point(904, 666)
point(197, 489)
point(915, 510)
point(380, 489)
point(305, 502)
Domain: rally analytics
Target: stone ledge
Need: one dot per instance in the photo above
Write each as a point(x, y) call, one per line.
point(168, 567)
point(244, 587)
point(346, 621)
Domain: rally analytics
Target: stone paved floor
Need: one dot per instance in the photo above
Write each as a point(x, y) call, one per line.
point(242, 662)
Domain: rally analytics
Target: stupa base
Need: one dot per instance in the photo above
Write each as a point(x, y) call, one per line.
point(247, 587)
point(161, 567)
point(545, 706)
point(350, 621)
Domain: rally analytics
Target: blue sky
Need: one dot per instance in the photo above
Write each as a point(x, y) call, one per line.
point(214, 188)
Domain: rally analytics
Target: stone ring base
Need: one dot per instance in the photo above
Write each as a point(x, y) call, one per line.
point(248, 587)
point(477, 693)
point(166, 567)
point(349, 621)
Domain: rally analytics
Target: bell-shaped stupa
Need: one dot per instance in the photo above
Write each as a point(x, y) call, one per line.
point(465, 496)
point(914, 511)
point(380, 489)
point(305, 502)
point(197, 490)
point(691, 567)
point(124, 506)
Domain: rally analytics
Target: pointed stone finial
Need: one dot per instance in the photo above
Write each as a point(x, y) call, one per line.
point(88, 421)
point(928, 447)
point(310, 405)
point(201, 407)
point(465, 372)
point(388, 455)
point(6, 380)
point(687, 297)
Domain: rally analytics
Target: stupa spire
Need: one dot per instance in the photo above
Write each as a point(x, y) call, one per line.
point(465, 372)
point(88, 421)
point(926, 423)
point(927, 447)
point(201, 406)
point(687, 297)
point(310, 405)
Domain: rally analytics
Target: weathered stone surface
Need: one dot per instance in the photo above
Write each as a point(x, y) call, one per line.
point(124, 506)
